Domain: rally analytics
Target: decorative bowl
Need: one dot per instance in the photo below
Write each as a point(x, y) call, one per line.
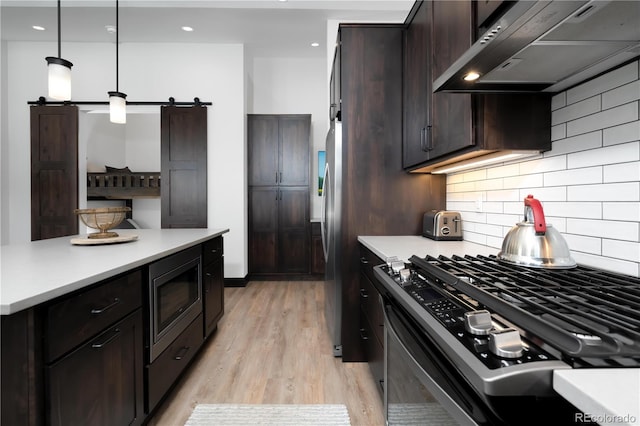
point(102, 219)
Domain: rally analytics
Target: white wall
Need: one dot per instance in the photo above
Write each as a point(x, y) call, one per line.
point(295, 86)
point(148, 72)
point(589, 183)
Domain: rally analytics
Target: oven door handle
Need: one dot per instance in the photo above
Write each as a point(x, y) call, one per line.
point(394, 326)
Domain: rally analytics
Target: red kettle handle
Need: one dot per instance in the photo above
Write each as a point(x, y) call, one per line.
point(539, 222)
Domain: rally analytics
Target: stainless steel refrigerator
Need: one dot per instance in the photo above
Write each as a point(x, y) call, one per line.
point(331, 228)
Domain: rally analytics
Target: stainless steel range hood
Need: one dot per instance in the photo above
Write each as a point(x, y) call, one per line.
point(548, 46)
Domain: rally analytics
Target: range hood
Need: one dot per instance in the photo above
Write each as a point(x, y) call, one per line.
point(547, 46)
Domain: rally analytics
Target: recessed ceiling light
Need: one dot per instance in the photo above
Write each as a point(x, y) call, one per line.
point(111, 29)
point(314, 44)
point(471, 76)
point(38, 28)
point(187, 29)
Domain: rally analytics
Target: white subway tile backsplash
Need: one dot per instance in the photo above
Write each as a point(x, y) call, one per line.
point(628, 191)
point(627, 231)
point(559, 131)
point(624, 250)
point(628, 132)
point(583, 244)
point(523, 181)
point(574, 176)
point(554, 193)
point(608, 263)
point(621, 211)
point(588, 184)
point(583, 142)
point(621, 95)
point(625, 172)
point(558, 101)
point(608, 118)
point(503, 171)
point(582, 210)
point(542, 165)
point(608, 155)
point(577, 110)
point(605, 82)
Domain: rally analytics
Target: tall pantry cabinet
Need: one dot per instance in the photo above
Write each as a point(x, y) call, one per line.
point(279, 198)
point(378, 196)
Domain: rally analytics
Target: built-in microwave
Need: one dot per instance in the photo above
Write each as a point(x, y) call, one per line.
point(175, 297)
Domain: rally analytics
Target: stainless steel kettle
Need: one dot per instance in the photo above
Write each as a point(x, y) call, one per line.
point(535, 243)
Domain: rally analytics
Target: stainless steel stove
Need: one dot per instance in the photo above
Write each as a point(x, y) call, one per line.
point(497, 330)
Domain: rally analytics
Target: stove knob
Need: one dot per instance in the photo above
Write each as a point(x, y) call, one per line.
point(505, 343)
point(397, 266)
point(478, 322)
point(405, 274)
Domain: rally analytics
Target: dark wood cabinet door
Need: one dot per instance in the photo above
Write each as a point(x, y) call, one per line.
point(294, 150)
point(417, 87)
point(54, 171)
point(263, 229)
point(184, 167)
point(263, 134)
point(293, 229)
point(101, 382)
point(451, 114)
point(213, 295)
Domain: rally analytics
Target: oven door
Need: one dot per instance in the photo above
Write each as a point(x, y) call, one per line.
point(420, 386)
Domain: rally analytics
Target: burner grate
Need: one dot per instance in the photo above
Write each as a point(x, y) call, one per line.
point(584, 312)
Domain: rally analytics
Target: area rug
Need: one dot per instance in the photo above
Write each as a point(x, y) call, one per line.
point(269, 414)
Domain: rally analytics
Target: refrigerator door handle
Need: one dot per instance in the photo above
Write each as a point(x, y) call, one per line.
point(323, 213)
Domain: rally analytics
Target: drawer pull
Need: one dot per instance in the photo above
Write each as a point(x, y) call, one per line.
point(363, 335)
point(101, 345)
point(363, 293)
point(183, 351)
point(106, 308)
point(364, 261)
point(214, 250)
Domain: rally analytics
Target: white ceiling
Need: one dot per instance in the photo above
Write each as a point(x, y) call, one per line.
point(266, 27)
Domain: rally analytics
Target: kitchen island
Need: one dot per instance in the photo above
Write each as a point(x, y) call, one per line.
point(80, 323)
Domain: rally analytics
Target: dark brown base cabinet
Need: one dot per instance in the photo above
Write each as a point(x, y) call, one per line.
point(213, 284)
point(81, 359)
point(317, 252)
point(371, 316)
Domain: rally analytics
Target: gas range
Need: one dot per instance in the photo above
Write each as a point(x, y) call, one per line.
point(507, 327)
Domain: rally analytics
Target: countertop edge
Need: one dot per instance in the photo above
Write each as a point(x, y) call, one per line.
point(12, 307)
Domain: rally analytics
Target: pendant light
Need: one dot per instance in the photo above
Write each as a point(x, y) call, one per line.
point(59, 72)
point(117, 99)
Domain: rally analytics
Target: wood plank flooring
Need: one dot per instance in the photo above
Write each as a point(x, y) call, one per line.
point(272, 346)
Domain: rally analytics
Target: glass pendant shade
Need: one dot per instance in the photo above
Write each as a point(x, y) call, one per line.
point(59, 78)
point(118, 107)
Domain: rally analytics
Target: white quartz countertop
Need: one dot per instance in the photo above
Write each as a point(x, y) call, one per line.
point(606, 396)
point(35, 272)
point(404, 246)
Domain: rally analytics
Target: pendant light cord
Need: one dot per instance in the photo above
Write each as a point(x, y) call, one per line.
point(117, 42)
point(59, 33)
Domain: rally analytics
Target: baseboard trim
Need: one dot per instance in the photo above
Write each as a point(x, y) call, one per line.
point(236, 282)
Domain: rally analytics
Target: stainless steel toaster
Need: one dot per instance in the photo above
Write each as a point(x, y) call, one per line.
point(442, 225)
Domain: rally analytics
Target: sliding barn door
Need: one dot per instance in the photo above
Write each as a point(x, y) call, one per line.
point(54, 171)
point(184, 167)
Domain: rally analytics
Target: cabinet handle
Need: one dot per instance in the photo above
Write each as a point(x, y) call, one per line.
point(423, 138)
point(280, 177)
point(101, 345)
point(363, 293)
point(214, 250)
point(208, 274)
point(362, 335)
point(429, 139)
point(364, 261)
point(106, 308)
point(183, 351)
point(276, 177)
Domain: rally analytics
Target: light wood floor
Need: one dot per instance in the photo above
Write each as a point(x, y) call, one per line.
point(272, 347)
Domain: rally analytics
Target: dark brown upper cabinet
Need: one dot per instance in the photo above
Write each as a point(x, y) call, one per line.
point(184, 167)
point(443, 127)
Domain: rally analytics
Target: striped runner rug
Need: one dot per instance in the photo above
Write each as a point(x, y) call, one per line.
point(269, 414)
